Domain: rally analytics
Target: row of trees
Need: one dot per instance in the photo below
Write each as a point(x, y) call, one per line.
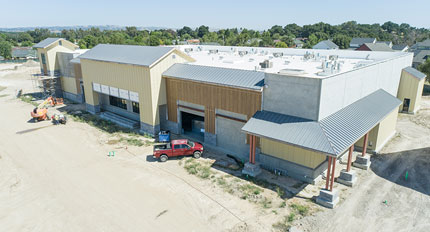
point(277, 36)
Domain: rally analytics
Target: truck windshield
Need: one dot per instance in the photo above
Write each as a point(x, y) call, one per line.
point(191, 144)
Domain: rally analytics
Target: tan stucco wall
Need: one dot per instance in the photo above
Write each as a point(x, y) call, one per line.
point(293, 154)
point(412, 88)
point(381, 133)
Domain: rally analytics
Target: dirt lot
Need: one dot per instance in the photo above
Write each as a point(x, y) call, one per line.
point(61, 178)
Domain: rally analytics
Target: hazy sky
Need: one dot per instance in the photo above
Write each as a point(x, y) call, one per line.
point(254, 14)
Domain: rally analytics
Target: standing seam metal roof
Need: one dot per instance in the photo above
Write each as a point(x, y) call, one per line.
point(126, 54)
point(216, 75)
point(415, 73)
point(332, 135)
point(46, 42)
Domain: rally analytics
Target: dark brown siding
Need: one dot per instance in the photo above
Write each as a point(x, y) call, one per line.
point(213, 97)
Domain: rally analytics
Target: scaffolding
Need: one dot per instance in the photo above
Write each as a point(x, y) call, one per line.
point(46, 85)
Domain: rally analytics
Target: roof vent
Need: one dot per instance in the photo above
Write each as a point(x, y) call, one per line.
point(242, 53)
point(266, 64)
point(278, 54)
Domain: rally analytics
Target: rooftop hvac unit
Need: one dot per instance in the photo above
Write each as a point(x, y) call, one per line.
point(221, 57)
point(242, 53)
point(213, 51)
point(308, 56)
point(278, 54)
point(333, 57)
point(251, 59)
point(188, 50)
point(266, 64)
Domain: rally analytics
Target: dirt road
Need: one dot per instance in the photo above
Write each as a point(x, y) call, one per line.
point(59, 178)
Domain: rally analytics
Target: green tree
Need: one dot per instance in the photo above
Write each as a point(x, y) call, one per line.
point(281, 45)
point(26, 44)
point(425, 68)
point(154, 40)
point(202, 31)
point(342, 41)
point(6, 49)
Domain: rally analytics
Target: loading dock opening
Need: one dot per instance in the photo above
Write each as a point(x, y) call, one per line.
point(193, 125)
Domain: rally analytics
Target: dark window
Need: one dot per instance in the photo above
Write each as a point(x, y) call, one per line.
point(60, 42)
point(177, 146)
point(118, 102)
point(43, 58)
point(135, 107)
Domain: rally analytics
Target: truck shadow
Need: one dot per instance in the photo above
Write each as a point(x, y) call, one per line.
point(410, 168)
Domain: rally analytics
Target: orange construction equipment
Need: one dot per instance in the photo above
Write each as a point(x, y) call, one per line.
point(40, 113)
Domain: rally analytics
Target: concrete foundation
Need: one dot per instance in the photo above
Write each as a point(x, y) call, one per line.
point(93, 109)
point(362, 162)
point(173, 127)
point(149, 129)
point(210, 138)
point(78, 98)
point(328, 199)
point(251, 169)
point(291, 169)
point(347, 178)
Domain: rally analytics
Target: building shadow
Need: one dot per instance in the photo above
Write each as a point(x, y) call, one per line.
point(410, 168)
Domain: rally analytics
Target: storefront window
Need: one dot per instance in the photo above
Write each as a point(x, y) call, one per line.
point(118, 102)
point(135, 107)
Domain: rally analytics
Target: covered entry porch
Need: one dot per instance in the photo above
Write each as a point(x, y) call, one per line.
point(317, 145)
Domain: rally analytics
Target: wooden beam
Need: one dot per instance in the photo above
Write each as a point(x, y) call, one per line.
point(348, 166)
point(366, 138)
point(327, 180)
point(332, 174)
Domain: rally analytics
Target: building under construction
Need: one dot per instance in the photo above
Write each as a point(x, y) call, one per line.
point(293, 111)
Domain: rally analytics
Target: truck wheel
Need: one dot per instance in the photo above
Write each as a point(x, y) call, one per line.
point(163, 158)
point(197, 154)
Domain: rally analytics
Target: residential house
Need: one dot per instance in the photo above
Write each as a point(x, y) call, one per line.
point(357, 42)
point(326, 44)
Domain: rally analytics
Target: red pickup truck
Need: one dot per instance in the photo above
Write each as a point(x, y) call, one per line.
point(180, 147)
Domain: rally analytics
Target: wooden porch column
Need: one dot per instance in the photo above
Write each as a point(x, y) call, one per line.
point(254, 139)
point(366, 138)
point(327, 180)
point(251, 145)
point(332, 174)
point(348, 166)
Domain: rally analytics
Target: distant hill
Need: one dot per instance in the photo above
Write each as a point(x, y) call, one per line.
point(58, 29)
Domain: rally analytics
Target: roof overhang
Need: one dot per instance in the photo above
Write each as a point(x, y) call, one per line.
point(332, 135)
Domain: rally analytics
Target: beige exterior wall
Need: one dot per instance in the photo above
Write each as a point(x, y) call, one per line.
point(68, 84)
point(51, 53)
point(158, 84)
point(412, 88)
point(291, 153)
point(381, 133)
point(128, 77)
point(147, 82)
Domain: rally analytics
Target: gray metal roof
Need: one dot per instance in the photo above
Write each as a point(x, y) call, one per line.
point(361, 41)
point(46, 42)
point(126, 54)
point(378, 47)
point(421, 55)
point(217, 75)
point(328, 43)
point(415, 73)
point(400, 47)
point(332, 135)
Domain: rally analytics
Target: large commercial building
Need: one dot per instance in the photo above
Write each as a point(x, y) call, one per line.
point(288, 110)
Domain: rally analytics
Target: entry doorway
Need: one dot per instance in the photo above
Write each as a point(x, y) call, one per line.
point(406, 103)
point(193, 125)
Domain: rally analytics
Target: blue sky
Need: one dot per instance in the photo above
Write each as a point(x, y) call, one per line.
point(216, 14)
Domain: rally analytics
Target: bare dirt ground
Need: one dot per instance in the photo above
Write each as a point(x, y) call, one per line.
point(60, 178)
